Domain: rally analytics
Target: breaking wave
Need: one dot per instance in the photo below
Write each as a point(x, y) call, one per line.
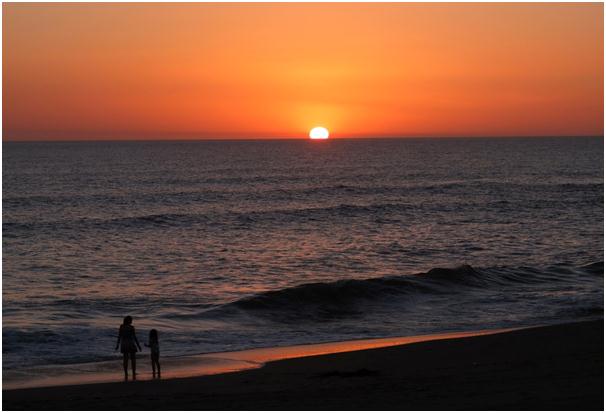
point(348, 298)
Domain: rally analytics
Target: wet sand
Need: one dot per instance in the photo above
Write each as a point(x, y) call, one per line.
point(553, 367)
point(203, 364)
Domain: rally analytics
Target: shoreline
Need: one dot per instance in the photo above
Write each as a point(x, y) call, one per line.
point(551, 367)
point(206, 364)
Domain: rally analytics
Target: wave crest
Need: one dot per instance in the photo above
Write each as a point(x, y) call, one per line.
point(348, 298)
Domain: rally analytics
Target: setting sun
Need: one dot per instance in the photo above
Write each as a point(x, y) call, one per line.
point(155, 158)
point(318, 133)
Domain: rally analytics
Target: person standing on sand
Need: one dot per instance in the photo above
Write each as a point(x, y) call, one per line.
point(154, 346)
point(128, 338)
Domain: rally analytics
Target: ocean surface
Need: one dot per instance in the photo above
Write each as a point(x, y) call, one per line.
point(226, 245)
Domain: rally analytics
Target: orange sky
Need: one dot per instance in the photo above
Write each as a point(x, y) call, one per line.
point(234, 70)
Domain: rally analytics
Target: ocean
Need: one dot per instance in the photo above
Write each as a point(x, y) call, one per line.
point(228, 245)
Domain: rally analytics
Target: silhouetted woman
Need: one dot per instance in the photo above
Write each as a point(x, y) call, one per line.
point(128, 338)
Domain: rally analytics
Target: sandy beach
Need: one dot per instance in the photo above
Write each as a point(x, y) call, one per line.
point(303, 206)
point(553, 367)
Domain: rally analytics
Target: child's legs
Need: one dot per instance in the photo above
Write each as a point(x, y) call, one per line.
point(156, 361)
point(153, 363)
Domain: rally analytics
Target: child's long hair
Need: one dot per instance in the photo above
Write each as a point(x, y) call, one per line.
point(153, 335)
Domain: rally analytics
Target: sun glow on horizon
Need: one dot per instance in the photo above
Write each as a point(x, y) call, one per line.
point(318, 132)
point(252, 70)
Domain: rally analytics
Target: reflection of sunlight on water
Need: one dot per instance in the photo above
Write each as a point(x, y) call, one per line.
point(111, 371)
point(172, 233)
point(204, 364)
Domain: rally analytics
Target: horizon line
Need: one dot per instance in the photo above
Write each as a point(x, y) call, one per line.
point(388, 137)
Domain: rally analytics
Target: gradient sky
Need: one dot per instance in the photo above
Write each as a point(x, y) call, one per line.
point(234, 70)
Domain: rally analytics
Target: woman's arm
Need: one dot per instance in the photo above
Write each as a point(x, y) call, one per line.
point(119, 336)
point(136, 341)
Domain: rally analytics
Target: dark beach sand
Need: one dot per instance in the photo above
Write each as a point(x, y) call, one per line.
point(555, 368)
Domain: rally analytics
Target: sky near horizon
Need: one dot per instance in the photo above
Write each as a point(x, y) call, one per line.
point(275, 70)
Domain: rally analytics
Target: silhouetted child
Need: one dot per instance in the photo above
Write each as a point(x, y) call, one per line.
point(154, 346)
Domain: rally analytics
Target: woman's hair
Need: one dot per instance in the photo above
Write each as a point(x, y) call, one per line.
point(153, 335)
point(127, 320)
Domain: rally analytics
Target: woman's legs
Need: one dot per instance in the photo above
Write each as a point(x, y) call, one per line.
point(133, 361)
point(125, 364)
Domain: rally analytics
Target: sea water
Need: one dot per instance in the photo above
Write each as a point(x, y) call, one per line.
point(227, 245)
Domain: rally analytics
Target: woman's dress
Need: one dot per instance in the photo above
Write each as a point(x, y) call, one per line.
point(127, 339)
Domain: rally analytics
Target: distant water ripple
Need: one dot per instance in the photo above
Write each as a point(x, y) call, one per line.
point(232, 245)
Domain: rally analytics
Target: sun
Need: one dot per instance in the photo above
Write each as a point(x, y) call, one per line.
point(318, 133)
